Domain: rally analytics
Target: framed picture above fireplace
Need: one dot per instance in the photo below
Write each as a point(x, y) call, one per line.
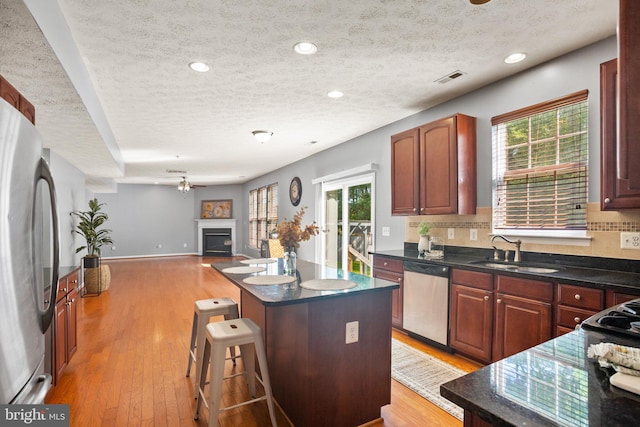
point(216, 209)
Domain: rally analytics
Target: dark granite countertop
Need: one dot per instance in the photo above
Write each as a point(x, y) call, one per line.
point(283, 294)
point(586, 271)
point(552, 384)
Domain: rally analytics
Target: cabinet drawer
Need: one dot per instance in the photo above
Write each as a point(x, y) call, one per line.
point(571, 316)
point(472, 278)
point(385, 263)
point(534, 289)
point(72, 281)
point(63, 289)
point(391, 276)
point(580, 296)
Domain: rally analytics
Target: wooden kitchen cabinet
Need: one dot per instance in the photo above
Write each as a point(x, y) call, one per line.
point(65, 338)
point(19, 102)
point(523, 315)
point(471, 314)
point(391, 269)
point(619, 112)
point(433, 168)
point(575, 304)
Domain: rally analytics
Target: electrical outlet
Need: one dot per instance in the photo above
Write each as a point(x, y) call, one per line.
point(352, 332)
point(473, 234)
point(185, 245)
point(113, 248)
point(451, 233)
point(629, 240)
point(386, 231)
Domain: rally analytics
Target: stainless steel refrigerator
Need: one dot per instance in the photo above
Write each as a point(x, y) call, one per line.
point(29, 256)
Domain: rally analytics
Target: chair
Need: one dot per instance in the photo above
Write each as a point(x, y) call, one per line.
point(203, 311)
point(229, 333)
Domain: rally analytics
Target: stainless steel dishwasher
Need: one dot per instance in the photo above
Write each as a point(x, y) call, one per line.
point(426, 302)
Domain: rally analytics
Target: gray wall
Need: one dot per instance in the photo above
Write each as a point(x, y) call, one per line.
point(143, 216)
point(70, 196)
point(159, 220)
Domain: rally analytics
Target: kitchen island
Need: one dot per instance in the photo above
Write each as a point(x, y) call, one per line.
point(316, 377)
point(552, 384)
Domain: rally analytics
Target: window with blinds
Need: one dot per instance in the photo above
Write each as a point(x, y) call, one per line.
point(263, 213)
point(540, 156)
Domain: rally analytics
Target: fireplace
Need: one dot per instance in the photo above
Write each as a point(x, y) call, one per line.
point(203, 224)
point(216, 242)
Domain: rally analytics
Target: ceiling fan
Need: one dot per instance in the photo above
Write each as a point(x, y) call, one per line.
point(184, 186)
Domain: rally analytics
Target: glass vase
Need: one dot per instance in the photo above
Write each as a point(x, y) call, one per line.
point(289, 261)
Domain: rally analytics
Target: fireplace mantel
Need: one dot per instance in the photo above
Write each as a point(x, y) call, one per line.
point(217, 223)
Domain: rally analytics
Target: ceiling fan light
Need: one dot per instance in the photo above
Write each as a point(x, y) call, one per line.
point(184, 186)
point(262, 135)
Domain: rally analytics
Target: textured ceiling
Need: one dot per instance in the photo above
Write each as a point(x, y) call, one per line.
point(385, 55)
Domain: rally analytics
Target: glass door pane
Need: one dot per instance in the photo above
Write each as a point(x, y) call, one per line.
point(347, 225)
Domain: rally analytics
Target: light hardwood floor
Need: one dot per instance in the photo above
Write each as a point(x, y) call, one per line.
point(133, 342)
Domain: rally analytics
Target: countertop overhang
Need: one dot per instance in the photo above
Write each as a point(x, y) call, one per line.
point(293, 293)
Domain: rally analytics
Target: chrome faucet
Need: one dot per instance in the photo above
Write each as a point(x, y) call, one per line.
point(517, 243)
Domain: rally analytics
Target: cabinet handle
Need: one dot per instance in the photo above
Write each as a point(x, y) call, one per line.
point(486, 297)
point(385, 263)
point(577, 296)
point(576, 319)
point(415, 210)
point(607, 200)
point(499, 301)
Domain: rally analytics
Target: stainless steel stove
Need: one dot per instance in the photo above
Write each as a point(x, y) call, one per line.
point(622, 319)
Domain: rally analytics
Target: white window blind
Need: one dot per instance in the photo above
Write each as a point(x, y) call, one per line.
point(263, 213)
point(540, 156)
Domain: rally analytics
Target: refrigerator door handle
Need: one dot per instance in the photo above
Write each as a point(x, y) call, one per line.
point(43, 172)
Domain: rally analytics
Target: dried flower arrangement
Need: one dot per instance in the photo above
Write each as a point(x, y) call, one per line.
point(291, 232)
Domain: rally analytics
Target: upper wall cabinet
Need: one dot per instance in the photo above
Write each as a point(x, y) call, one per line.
point(433, 168)
point(13, 97)
point(620, 139)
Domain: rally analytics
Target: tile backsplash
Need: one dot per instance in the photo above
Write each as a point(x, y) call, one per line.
point(603, 229)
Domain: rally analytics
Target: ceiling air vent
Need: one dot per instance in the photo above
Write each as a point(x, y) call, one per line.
point(450, 76)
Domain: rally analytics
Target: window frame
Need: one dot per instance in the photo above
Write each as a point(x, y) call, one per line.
point(498, 179)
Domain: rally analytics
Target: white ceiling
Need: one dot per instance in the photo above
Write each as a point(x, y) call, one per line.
point(118, 101)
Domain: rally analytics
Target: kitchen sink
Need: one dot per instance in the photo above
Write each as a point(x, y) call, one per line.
point(524, 268)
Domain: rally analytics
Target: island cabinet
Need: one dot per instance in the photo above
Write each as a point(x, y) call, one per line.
point(391, 269)
point(471, 314)
point(619, 112)
point(65, 336)
point(433, 168)
point(523, 317)
point(575, 304)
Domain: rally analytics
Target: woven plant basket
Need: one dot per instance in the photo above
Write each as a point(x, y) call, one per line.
point(91, 279)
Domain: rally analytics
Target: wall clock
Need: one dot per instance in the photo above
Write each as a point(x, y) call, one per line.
point(295, 191)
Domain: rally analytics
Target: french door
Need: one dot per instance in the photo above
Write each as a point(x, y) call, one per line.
point(347, 224)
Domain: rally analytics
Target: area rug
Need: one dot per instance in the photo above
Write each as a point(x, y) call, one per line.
point(424, 374)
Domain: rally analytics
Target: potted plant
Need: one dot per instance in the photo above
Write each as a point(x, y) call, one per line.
point(423, 231)
point(95, 237)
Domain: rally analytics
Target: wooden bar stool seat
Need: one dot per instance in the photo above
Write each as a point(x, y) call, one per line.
point(203, 311)
point(219, 336)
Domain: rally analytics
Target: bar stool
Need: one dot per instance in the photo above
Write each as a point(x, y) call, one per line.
point(220, 335)
point(203, 310)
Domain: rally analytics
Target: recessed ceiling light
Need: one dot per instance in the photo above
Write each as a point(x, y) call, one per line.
point(515, 57)
point(305, 48)
point(200, 67)
point(335, 94)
